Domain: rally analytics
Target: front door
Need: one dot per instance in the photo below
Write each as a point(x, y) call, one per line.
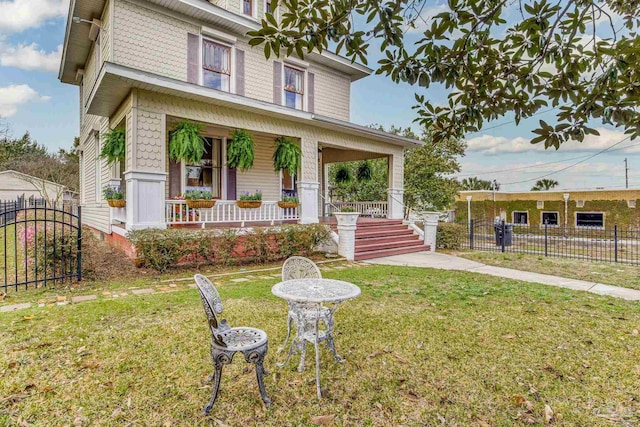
point(205, 175)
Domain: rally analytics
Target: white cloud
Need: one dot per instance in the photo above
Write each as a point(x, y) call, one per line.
point(489, 145)
point(29, 57)
point(15, 95)
point(19, 15)
point(427, 14)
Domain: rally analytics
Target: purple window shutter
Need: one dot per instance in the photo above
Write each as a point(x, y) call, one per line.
point(231, 183)
point(240, 72)
point(277, 83)
point(175, 172)
point(193, 58)
point(311, 93)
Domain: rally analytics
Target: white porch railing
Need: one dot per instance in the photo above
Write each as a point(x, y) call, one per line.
point(226, 211)
point(372, 209)
point(118, 215)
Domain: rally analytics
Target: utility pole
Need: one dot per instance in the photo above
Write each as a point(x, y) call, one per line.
point(626, 173)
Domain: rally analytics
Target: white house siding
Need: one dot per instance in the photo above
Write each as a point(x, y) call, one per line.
point(105, 33)
point(261, 176)
point(151, 41)
point(156, 42)
point(332, 93)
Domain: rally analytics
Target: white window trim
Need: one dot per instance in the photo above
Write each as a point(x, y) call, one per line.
point(98, 170)
point(223, 169)
point(232, 61)
point(254, 10)
point(550, 225)
point(604, 218)
point(295, 65)
point(513, 218)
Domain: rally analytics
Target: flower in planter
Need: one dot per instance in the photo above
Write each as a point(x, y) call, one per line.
point(246, 196)
point(199, 195)
point(113, 193)
point(289, 199)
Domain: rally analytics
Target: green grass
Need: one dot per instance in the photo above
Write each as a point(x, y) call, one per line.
point(627, 276)
point(7, 233)
point(423, 347)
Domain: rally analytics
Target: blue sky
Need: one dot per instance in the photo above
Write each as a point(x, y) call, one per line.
point(32, 98)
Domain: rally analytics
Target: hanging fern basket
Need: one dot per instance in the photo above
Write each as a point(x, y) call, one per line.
point(241, 150)
point(286, 156)
point(186, 143)
point(114, 146)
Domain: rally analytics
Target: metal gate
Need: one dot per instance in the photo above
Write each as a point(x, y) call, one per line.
point(40, 246)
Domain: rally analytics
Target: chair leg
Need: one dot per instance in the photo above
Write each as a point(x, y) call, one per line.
point(216, 385)
point(260, 371)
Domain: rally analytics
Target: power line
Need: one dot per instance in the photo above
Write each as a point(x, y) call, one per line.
point(570, 166)
point(541, 164)
point(512, 121)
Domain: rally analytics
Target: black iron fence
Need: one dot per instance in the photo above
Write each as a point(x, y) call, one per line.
point(40, 245)
point(588, 243)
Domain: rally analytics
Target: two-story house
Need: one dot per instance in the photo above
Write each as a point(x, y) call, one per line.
point(145, 65)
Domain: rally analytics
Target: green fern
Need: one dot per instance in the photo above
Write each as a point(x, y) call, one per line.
point(286, 156)
point(240, 151)
point(364, 172)
point(114, 146)
point(186, 143)
point(343, 174)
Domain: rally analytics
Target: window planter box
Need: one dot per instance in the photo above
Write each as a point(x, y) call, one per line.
point(201, 204)
point(288, 205)
point(115, 203)
point(248, 204)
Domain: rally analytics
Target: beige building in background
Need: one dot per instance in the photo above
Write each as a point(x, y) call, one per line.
point(16, 184)
point(145, 65)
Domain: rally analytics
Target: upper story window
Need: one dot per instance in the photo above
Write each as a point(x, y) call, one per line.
point(293, 87)
point(216, 66)
point(247, 7)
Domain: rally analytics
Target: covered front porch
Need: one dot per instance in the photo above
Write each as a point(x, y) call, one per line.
point(155, 185)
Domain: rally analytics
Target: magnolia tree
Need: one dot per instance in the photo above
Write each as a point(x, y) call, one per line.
point(578, 57)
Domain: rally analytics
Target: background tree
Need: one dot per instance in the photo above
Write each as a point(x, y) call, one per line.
point(428, 170)
point(545, 184)
point(578, 58)
point(475, 183)
point(27, 156)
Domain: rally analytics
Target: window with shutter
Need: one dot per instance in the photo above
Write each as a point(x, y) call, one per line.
point(293, 87)
point(216, 65)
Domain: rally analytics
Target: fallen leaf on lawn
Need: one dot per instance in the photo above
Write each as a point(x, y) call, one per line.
point(412, 396)
point(634, 332)
point(322, 420)
point(518, 399)
point(2, 297)
point(28, 317)
point(483, 423)
point(81, 349)
point(548, 414)
point(508, 337)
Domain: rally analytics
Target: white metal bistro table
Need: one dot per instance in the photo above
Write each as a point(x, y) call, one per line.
point(304, 295)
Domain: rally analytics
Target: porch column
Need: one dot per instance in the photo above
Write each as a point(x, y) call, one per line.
point(395, 193)
point(309, 184)
point(146, 169)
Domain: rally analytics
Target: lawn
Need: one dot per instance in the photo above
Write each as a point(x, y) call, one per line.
point(423, 347)
point(7, 239)
point(627, 276)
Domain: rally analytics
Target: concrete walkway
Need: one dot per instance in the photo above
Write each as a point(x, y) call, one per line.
point(449, 262)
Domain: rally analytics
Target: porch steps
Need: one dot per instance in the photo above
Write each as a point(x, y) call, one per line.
point(380, 238)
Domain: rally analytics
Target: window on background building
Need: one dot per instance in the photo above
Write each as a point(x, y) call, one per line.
point(550, 218)
point(521, 218)
point(590, 219)
point(207, 174)
point(580, 203)
point(540, 204)
point(216, 66)
point(293, 87)
point(247, 7)
point(631, 203)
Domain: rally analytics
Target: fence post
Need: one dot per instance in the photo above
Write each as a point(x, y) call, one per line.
point(503, 230)
point(79, 243)
point(546, 236)
point(471, 234)
point(615, 242)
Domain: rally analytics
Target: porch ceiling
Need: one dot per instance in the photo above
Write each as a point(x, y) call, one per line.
point(334, 155)
point(116, 81)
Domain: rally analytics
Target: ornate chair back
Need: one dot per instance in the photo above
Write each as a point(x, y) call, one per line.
point(212, 307)
point(297, 267)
